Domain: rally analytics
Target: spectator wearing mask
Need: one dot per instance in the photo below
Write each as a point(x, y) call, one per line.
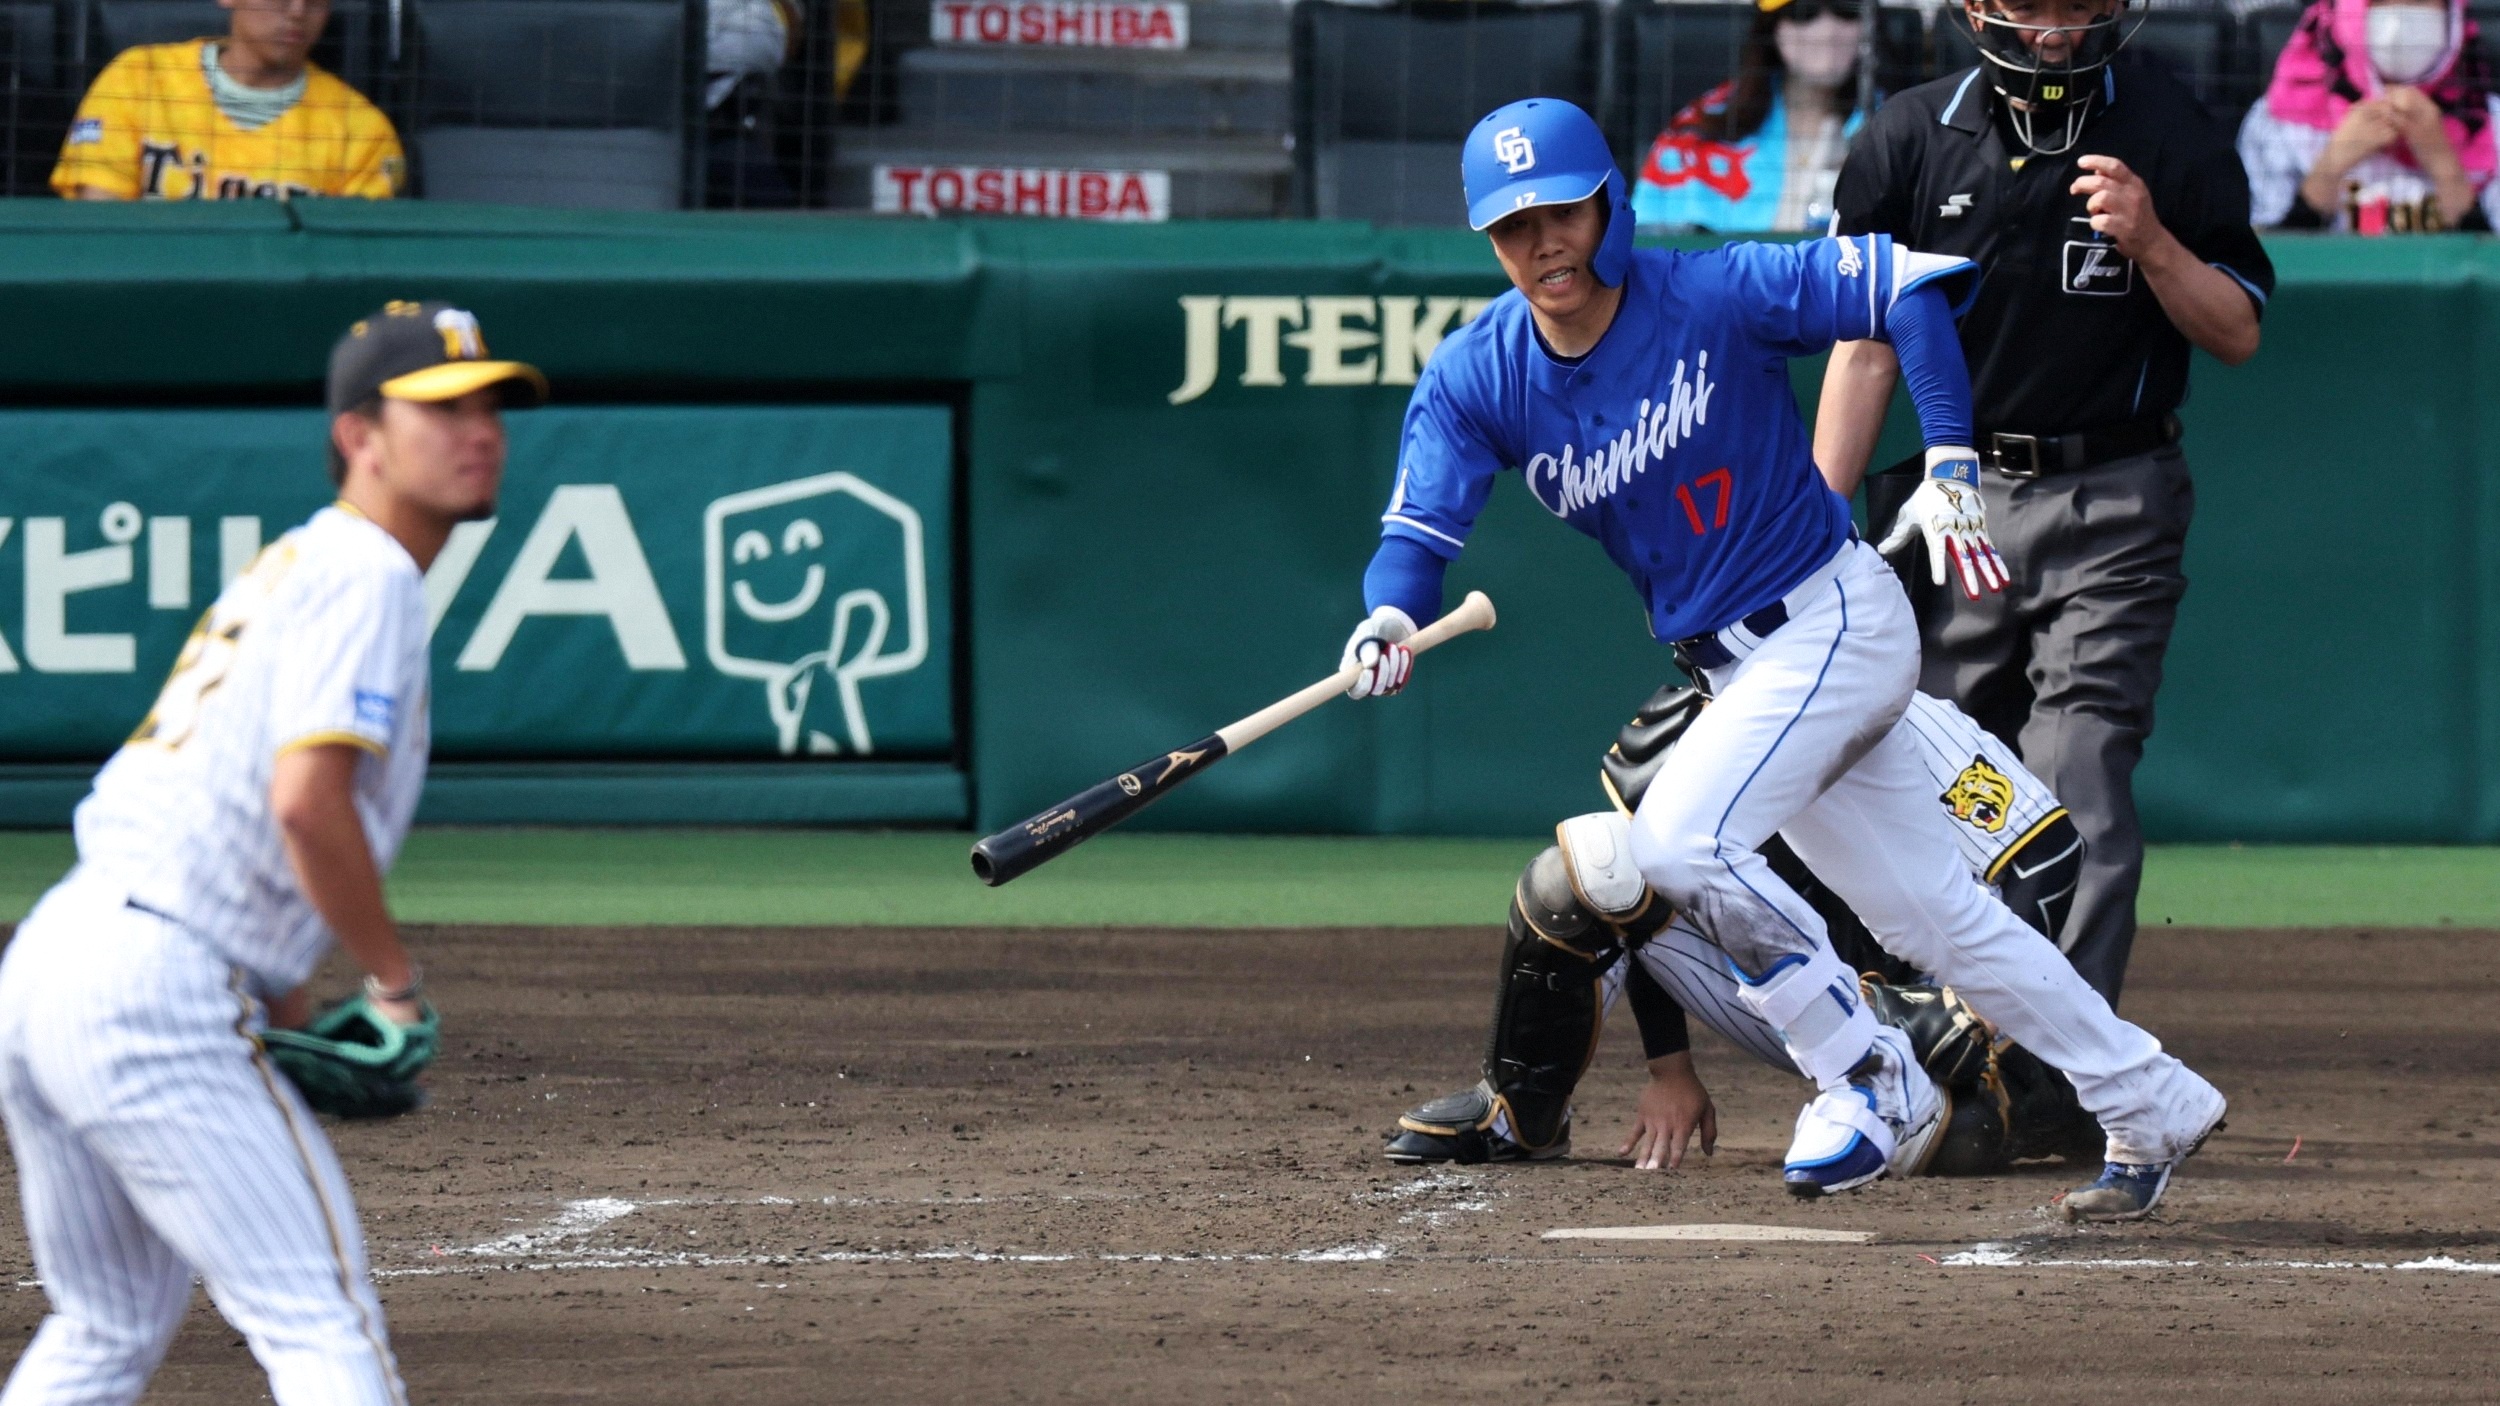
point(248, 115)
point(1762, 150)
point(2378, 121)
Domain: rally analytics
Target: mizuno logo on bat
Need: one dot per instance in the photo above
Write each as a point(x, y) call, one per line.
point(1179, 762)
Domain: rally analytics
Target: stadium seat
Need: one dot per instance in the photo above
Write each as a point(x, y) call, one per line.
point(2197, 43)
point(1384, 96)
point(37, 91)
point(590, 104)
point(1670, 53)
point(2263, 33)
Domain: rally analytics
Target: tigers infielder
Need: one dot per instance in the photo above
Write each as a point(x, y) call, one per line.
point(1644, 397)
point(244, 826)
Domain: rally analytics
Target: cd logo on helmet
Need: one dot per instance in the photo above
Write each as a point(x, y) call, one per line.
point(1512, 148)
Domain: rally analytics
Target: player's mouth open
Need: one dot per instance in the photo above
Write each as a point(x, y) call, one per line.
point(1557, 277)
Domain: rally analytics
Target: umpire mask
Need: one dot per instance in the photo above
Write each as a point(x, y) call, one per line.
point(2048, 74)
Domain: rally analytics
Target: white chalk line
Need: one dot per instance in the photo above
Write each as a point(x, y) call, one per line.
point(1996, 1254)
point(561, 1243)
point(630, 1258)
point(540, 1249)
point(1446, 1194)
point(1793, 1234)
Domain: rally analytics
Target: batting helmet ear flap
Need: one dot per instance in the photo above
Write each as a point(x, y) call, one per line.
point(1614, 252)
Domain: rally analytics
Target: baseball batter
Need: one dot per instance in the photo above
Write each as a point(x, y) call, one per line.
point(1644, 398)
point(243, 828)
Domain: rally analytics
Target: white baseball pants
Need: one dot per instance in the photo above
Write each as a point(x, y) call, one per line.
point(1799, 741)
point(154, 1142)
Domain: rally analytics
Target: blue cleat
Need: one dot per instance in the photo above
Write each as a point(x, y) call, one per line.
point(1884, 1120)
point(2124, 1191)
point(2129, 1190)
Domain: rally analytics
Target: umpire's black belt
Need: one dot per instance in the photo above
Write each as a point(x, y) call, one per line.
point(2031, 455)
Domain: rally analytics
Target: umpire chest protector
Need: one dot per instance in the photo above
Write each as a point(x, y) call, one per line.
point(2065, 335)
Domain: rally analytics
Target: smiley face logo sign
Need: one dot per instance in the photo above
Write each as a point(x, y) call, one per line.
point(811, 587)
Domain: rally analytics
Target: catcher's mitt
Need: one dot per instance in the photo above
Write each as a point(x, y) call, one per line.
point(354, 1062)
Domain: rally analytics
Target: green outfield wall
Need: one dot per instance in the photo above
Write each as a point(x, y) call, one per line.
point(861, 521)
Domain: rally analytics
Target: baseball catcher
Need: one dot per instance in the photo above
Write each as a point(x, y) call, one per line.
point(1581, 909)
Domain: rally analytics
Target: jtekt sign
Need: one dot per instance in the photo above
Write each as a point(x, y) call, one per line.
point(1342, 341)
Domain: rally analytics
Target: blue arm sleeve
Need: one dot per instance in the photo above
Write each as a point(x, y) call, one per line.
point(1920, 328)
point(1407, 576)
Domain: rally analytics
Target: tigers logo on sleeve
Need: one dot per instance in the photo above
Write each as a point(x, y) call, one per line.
point(1980, 797)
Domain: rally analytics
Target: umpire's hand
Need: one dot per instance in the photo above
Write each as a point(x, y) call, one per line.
point(2121, 205)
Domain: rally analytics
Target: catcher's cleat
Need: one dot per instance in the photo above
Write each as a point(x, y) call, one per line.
point(2129, 1190)
point(1883, 1121)
point(1467, 1127)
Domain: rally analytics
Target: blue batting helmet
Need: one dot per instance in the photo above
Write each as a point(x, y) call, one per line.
point(1544, 151)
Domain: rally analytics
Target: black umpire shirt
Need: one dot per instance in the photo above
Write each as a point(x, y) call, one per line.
point(2065, 334)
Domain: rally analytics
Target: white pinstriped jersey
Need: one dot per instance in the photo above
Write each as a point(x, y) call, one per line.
point(322, 640)
point(1994, 800)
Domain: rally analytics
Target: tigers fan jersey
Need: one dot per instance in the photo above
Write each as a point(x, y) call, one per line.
point(322, 641)
point(149, 129)
point(1994, 801)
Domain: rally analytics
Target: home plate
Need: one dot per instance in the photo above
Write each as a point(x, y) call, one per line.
point(1712, 1232)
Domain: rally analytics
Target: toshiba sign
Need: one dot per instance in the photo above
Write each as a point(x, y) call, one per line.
point(1022, 190)
point(1101, 24)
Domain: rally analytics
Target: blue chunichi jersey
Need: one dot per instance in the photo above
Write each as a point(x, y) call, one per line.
point(1676, 441)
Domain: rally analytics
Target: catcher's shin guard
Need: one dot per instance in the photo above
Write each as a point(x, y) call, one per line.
point(2037, 878)
point(1575, 910)
point(2043, 1117)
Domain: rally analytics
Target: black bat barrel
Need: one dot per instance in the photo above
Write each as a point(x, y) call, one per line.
point(1041, 838)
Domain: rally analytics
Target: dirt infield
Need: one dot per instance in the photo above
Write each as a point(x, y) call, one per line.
point(787, 1166)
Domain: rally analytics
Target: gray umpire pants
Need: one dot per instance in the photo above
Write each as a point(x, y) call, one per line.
point(2064, 664)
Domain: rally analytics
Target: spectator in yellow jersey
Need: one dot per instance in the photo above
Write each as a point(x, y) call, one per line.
point(248, 115)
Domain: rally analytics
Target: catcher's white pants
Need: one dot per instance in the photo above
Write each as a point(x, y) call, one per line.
point(154, 1142)
point(1800, 740)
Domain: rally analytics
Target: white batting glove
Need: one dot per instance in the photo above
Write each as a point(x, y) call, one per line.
point(1378, 648)
point(1948, 511)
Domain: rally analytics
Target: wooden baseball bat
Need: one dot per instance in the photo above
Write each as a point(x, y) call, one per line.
point(1038, 840)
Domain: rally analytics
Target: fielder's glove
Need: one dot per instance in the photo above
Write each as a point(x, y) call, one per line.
point(354, 1062)
point(1948, 511)
point(1378, 648)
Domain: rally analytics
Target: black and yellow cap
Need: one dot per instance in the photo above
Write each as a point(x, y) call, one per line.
point(423, 351)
